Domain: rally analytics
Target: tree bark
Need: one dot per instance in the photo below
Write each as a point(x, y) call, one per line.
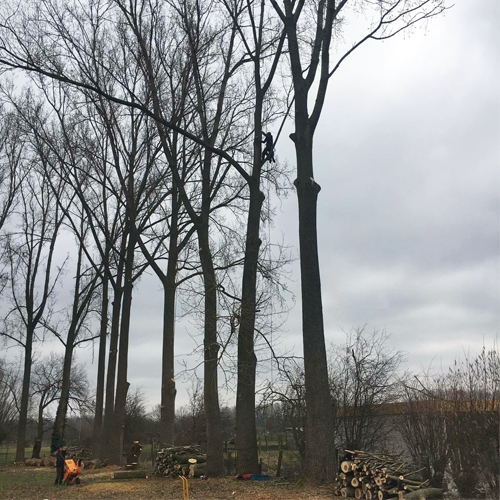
point(168, 391)
point(23, 415)
point(99, 400)
point(122, 384)
point(62, 407)
point(319, 423)
point(39, 429)
point(215, 462)
point(111, 375)
point(246, 433)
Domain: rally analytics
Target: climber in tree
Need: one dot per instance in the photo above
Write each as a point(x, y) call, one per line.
point(268, 153)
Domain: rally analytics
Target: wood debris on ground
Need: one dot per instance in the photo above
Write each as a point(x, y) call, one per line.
point(79, 452)
point(180, 461)
point(364, 475)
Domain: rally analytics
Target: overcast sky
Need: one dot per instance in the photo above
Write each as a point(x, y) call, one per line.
point(407, 155)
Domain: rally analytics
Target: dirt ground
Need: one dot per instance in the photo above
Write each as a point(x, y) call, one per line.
point(37, 483)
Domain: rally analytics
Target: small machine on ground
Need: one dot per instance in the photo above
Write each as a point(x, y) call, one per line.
point(72, 470)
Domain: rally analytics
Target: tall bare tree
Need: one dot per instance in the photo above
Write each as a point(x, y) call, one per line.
point(311, 69)
point(33, 274)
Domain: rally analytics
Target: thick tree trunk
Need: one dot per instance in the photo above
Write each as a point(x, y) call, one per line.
point(215, 462)
point(62, 407)
point(319, 424)
point(110, 378)
point(39, 431)
point(25, 394)
point(99, 399)
point(168, 391)
point(122, 384)
point(246, 433)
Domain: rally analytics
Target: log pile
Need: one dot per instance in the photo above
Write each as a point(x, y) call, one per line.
point(364, 475)
point(40, 462)
point(180, 461)
point(79, 452)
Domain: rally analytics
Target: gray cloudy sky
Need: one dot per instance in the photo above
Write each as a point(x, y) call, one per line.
point(407, 154)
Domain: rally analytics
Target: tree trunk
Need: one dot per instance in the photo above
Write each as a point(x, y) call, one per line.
point(215, 462)
point(39, 431)
point(319, 425)
point(246, 433)
point(62, 407)
point(122, 384)
point(99, 399)
point(168, 391)
point(23, 415)
point(110, 379)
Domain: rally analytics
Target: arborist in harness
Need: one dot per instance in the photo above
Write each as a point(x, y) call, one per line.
point(268, 153)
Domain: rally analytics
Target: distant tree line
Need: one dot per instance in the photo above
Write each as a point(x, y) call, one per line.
point(445, 422)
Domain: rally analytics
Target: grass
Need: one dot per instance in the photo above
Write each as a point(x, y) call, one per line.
point(18, 483)
point(8, 453)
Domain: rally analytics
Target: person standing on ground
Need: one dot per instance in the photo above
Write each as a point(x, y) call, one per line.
point(59, 465)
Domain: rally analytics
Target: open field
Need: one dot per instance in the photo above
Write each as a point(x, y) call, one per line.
point(37, 483)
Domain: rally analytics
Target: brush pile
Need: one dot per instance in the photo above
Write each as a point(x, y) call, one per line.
point(377, 476)
point(180, 461)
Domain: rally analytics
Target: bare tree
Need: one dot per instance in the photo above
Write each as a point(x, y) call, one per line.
point(290, 394)
point(46, 388)
point(9, 398)
point(311, 70)
point(451, 423)
point(473, 389)
point(263, 42)
point(47, 384)
point(32, 274)
point(364, 379)
point(71, 324)
point(423, 425)
point(11, 171)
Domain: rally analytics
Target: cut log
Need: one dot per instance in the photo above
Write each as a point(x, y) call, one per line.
point(130, 474)
point(354, 482)
point(347, 492)
point(405, 480)
point(427, 493)
point(346, 466)
point(197, 470)
point(358, 493)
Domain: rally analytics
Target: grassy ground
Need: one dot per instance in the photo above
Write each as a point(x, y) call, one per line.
point(8, 453)
point(37, 483)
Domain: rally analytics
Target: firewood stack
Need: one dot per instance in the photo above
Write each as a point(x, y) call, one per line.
point(79, 452)
point(180, 461)
point(376, 476)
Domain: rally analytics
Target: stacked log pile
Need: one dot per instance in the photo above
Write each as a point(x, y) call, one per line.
point(180, 461)
point(376, 476)
point(78, 452)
